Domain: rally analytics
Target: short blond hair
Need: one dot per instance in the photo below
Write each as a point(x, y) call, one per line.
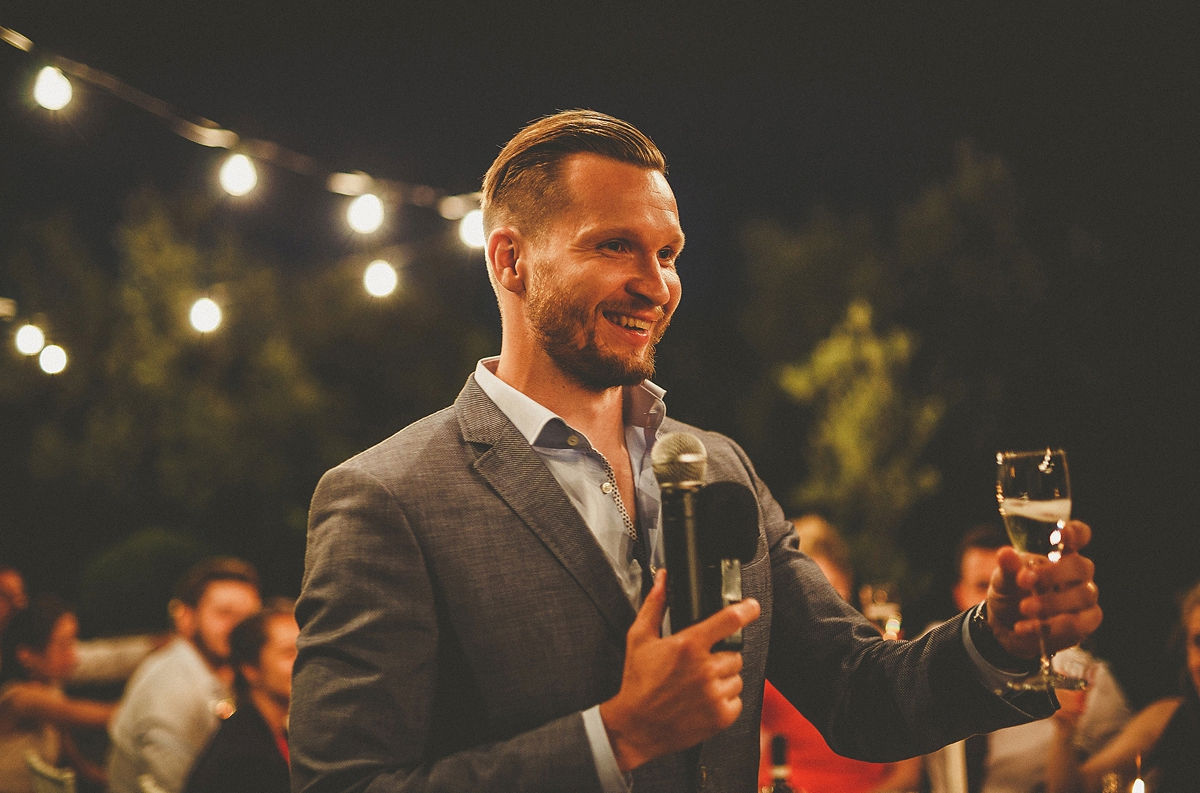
point(523, 187)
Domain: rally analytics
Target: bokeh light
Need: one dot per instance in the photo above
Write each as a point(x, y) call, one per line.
point(380, 278)
point(470, 229)
point(53, 359)
point(52, 89)
point(238, 175)
point(365, 213)
point(30, 340)
point(205, 315)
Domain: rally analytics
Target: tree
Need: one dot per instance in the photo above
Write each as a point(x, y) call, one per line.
point(868, 434)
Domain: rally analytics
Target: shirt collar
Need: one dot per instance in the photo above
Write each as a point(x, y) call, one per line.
point(643, 404)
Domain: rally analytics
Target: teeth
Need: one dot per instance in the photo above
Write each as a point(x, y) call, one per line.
point(630, 322)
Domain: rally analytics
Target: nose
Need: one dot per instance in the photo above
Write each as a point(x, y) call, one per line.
point(652, 282)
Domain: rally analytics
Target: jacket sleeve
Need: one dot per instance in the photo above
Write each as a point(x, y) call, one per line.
point(364, 681)
point(872, 700)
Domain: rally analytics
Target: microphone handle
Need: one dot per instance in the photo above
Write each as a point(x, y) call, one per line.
point(684, 573)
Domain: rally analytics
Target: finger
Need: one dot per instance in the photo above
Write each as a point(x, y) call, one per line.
point(1071, 570)
point(724, 689)
point(1009, 566)
point(1075, 535)
point(1051, 602)
point(725, 664)
point(648, 624)
point(1064, 630)
point(724, 623)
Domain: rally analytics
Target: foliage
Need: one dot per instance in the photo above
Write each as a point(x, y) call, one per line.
point(952, 269)
point(222, 436)
point(866, 440)
point(126, 588)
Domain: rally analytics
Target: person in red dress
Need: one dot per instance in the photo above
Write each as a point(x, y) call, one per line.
point(815, 767)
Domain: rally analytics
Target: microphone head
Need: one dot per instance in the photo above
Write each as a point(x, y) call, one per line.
point(726, 522)
point(679, 460)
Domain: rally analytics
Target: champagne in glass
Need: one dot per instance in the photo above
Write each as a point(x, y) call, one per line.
point(1034, 493)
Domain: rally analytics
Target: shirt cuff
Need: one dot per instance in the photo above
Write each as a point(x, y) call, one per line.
point(611, 778)
point(993, 677)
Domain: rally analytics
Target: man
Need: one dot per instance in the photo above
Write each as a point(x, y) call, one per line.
point(248, 753)
point(172, 703)
point(475, 612)
point(1013, 760)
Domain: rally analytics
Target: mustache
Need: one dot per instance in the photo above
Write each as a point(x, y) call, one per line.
point(633, 307)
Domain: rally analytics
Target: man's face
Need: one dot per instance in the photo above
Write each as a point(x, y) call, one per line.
point(274, 673)
point(222, 606)
point(974, 577)
point(602, 284)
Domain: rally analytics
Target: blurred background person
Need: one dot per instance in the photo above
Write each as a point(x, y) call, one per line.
point(12, 596)
point(1165, 734)
point(248, 753)
point(815, 767)
point(1014, 760)
point(174, 701)
point(35, 715)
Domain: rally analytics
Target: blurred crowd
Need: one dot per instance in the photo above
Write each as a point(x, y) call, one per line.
point(204, 708)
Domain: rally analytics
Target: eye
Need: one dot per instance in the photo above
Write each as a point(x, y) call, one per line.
point(615, 246)
point(667, 255)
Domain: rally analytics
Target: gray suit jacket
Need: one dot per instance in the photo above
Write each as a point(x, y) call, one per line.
point(457, 616)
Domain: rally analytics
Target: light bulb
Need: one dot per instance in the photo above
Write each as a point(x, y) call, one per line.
point(380, 278)
point(238, 175)
point(365, 213)
point(205, 315)
point(30, 340)
point(53, 359)
point(470, 229)
point(52, 90)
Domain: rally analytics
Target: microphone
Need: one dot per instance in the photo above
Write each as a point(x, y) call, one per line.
point(727, 529)
point(679, 461)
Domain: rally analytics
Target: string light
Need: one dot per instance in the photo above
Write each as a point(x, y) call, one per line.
point(205, 315)
point(380, 278)
point(470, 229)
point(53, 359)
point(365, 213)
point(52, 90)
point(30, 339)
point(238, 175)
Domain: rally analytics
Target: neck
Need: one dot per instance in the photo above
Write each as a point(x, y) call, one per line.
point(597, 414)
point(273, 711)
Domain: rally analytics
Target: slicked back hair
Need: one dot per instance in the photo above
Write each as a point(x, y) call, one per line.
point(523, 187)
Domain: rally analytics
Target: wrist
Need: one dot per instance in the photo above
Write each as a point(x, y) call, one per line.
point(624, 748)
point(990, 648)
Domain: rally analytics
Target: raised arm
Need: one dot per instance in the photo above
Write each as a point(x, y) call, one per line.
point(46, 704)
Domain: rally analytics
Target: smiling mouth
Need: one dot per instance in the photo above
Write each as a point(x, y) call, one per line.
point(629, 323)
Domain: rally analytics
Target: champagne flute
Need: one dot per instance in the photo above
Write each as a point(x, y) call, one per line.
point(1034, 491)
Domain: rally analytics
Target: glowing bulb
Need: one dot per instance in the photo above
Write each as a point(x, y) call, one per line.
point(30, 340)
point(365, 213)
point(380, 279)
point(238, 175)
point(52, 90)
point(205, 315)
point(1138, 786)
point(470, 229)
point(53, 359)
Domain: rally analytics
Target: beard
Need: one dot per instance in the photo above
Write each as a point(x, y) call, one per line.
point(567, 331)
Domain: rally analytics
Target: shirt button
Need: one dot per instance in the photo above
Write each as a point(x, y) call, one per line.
point(606, 488)
point(572, 440)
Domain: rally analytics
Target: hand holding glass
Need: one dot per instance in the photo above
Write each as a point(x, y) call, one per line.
point(1034, 491)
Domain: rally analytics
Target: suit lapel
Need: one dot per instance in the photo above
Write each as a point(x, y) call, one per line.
point(519, 476)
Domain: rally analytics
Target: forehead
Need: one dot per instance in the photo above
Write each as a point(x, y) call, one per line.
point(978, 561)
point(606, 191)
point(227, 591)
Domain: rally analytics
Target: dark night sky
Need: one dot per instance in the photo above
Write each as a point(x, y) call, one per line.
point(760, 111)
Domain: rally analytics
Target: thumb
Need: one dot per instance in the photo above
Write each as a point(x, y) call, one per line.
point(1008, 565)
point(648, 624)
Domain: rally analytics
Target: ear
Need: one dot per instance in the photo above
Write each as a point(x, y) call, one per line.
point(27, 658)
point(184, 618)
point(506, 249)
